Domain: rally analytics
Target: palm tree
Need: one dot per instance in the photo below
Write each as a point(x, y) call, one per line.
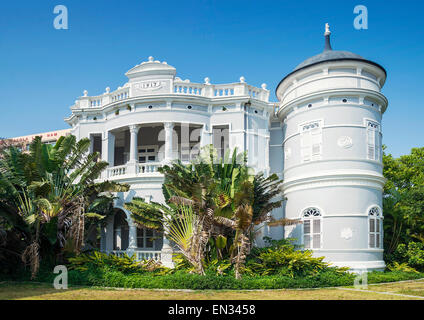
point(227, 200)
point(44, 194)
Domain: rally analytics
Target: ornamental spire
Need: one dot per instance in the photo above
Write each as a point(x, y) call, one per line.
point(327, 38)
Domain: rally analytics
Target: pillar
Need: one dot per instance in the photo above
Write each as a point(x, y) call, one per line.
point(169, 129)
point(108, 150)
point(132, 239)
point(132, 163)
point(166, 252)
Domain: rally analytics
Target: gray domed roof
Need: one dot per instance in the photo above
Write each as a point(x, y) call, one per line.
point(329, 55)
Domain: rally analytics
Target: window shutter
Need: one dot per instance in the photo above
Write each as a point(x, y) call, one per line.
point(317, 241)
point(311, 142)
point(372, 238)
point(307, 227)
point(373, 141)
point(307, 241)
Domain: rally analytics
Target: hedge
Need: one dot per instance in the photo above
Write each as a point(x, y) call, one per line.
point(182, 280)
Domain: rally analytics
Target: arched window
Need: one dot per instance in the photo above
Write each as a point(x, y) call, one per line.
point(312, 227)
point(375, 227)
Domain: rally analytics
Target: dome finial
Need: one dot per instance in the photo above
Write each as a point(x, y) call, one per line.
point(327, 38)
point(327, 30)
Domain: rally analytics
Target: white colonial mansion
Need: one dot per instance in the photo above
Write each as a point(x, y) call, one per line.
point(323, 137)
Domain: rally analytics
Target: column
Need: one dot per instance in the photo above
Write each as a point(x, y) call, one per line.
point(169, 130)
point(132, 239)
point(166, 252)
point(133, 143)
point(108, 233)
point(267, 166)
point(132, 163)
point(108, 150)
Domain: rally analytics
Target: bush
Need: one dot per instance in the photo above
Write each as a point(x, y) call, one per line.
point(124, 263)
point(283, 258)
point(403, 267)
point(107, 276)
point(411, 255)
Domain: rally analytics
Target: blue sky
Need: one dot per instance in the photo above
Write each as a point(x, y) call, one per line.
point(43, 70)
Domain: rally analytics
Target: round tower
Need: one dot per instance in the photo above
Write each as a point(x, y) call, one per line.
point(331, 107)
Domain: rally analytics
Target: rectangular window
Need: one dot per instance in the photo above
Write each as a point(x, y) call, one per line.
point(145, 238)
point(373, 141)
point(148, 154)
point(374, 233)
point(311, 141)
point(96, 143)
point(312, 233)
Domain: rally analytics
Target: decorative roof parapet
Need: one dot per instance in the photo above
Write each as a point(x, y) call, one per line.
point(153, 86)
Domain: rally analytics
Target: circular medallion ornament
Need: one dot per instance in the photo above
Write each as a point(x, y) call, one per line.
point(345, 142)
point(346, 233)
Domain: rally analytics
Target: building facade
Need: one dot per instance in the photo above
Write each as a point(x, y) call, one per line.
point(46, 137)
point(323, 137)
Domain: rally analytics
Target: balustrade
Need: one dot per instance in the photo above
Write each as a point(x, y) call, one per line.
point(181, 88)
point(147, 255)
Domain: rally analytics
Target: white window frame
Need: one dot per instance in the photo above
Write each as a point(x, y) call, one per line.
point(147, 154)
point(145, 237)
point(375, 234)
point(373, 140)
point(311, 215)
point(311, 140)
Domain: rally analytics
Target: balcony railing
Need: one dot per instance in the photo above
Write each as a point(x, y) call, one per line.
point(144, 169)
point(116, 171)
point(147, 255)
point(149, 167)
point(140, 254)
point(178, 87)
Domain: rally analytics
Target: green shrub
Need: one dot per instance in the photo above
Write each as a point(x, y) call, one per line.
point(283, 258)
point(393, 276)
point(124, 263)
point(403, 267)
point(107, 276)
point(411, 254)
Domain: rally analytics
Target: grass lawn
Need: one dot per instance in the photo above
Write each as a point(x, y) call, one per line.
point(408, 290)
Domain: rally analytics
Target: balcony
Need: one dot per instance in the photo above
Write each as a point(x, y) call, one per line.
point(178, 87)
point(133, 170)
point(140, 255)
